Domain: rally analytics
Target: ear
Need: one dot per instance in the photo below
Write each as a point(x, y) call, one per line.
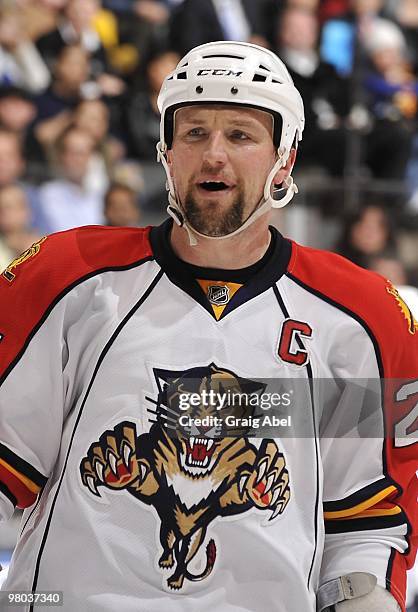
point(170, 161)
point(287, 169)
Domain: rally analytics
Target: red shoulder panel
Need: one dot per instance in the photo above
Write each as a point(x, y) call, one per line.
point(374, 302)
point(369, 297)
point(33, 282)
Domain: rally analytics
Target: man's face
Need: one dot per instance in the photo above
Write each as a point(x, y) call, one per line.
point(16, 113)
point(11, 162)
point(298, 30)
point(220, 159)
point(14, 210)
point(75, 155)
point(72, 67)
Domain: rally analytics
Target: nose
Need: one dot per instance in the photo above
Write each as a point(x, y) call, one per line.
point(215, 153)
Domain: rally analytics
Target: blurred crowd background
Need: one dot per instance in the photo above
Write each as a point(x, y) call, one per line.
point(79, 121)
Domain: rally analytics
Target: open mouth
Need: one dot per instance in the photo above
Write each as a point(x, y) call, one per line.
point(199, 451)
point(213, 186)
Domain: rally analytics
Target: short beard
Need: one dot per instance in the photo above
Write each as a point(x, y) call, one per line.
point(209, 222)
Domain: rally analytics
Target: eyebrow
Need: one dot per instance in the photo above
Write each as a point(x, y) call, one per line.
point(234, 122)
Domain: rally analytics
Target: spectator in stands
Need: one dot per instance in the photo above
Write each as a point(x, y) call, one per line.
point(17, 109)
point(121, 206)
point(390, 267)
point(13, 171)
point(143, 124)
point(200, 21)
point(16, 233)
point(367, 234)
point(92, 116)
point(84, 23)
point(155, 12)
point(12, 165)
point(20, 62)
point(324, 92)
point(405, 13)
point(40, 16)
point(66, 202)
point(143, 117)
point(77, 26)
point(393, 91)
point(17, 113)
point(71, 73)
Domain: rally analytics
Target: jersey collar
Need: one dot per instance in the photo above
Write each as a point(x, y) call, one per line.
point(255, 279)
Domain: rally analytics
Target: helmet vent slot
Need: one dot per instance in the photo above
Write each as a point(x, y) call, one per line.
point(259, 77)
point(182, 75)
point(264, 68)
point(223, 55)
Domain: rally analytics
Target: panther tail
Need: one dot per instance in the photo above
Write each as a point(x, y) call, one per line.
point(210, 562)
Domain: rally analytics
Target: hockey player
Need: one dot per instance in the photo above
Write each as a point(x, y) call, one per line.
point(107, 333)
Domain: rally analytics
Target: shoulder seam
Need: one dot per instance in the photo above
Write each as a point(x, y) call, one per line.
point(347, 311)
point(56, 301)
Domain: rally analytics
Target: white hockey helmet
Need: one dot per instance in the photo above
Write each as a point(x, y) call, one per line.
point(236, 73)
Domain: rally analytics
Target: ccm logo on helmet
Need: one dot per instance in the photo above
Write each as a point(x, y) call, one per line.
point(291, 347)
point(218, 72)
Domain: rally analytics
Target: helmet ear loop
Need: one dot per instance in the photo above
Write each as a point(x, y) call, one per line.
point(288, 184)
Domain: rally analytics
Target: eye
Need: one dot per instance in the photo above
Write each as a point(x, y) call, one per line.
point(239, 135)
point(197, 131)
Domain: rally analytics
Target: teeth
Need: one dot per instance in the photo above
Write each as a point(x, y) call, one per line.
point(210, 443)
point(192, 442)
point(189, 458)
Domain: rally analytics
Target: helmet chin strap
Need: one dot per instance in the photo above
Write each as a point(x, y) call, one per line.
point(175, 210)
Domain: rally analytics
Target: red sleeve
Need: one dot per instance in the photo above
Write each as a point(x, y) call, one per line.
point(376, 304)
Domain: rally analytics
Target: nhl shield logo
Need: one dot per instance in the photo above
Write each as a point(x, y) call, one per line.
point(218, 295)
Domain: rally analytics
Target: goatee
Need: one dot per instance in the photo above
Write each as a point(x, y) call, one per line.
point(208, 220)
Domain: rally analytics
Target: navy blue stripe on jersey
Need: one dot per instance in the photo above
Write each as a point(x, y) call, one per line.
point(106, 349)
point(358, 497)
point(310, 377)
point(7, 493)
point(365, 523)
point(389, 570)
point(22, 466)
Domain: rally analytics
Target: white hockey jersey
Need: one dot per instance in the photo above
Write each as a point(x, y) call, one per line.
point(104, 332)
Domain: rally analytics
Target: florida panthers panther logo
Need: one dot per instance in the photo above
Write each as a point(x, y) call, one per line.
point(192, 477)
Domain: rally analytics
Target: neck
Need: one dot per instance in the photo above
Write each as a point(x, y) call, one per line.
point(239, 251)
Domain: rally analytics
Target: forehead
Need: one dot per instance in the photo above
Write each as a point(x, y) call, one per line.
point(226, 114)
